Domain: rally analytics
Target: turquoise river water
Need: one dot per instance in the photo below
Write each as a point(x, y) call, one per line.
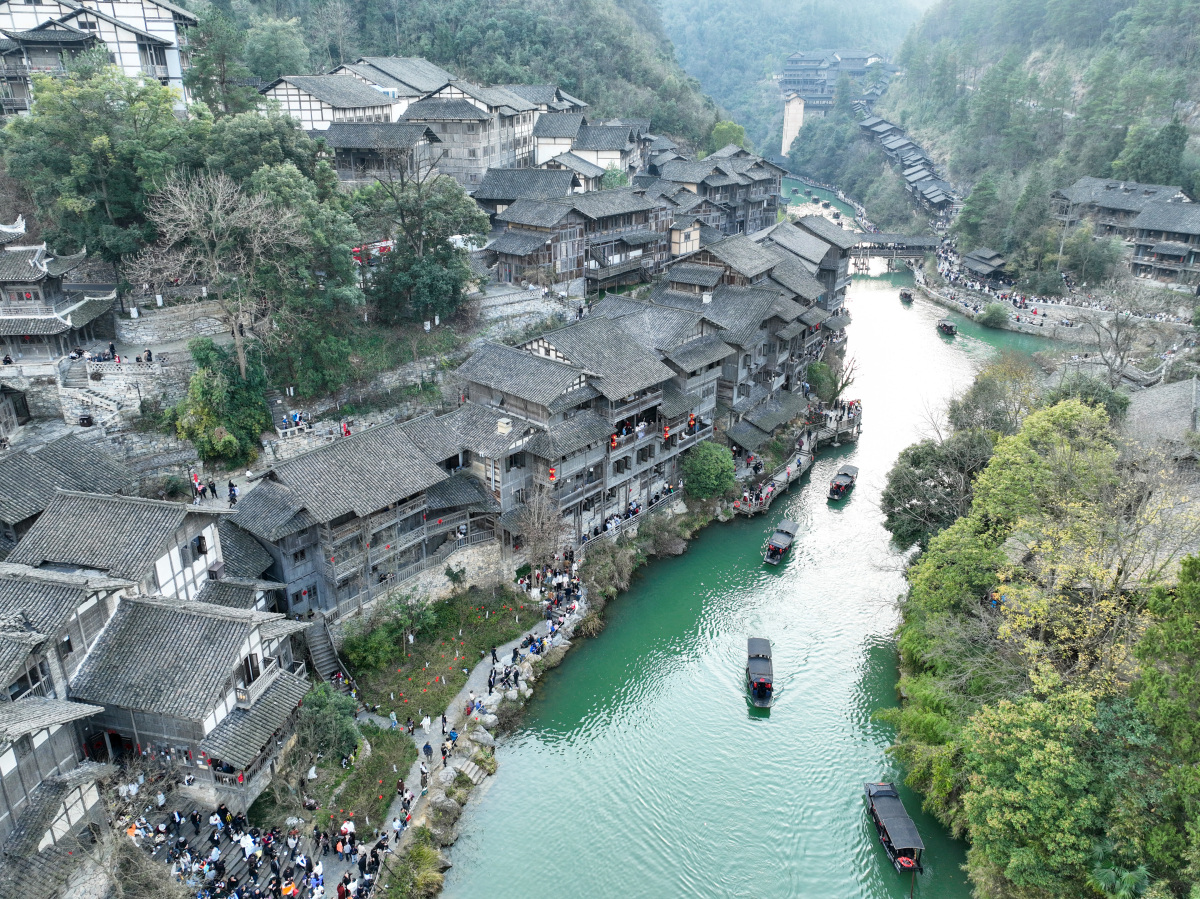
point(640, 770)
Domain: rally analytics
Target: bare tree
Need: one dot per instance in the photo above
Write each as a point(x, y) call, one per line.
point(238, 243)
point(1114, 339)
point(541, 525)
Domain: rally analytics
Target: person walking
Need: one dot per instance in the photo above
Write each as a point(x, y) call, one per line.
point(425, 776)
point(445, 724)
point(428, 750)
point(495, 658)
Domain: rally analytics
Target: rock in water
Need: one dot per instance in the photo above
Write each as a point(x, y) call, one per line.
point(489, 721)
point(525, 691)
point(444, 807)
point(482, 737)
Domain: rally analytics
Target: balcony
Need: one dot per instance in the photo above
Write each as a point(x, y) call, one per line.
point(619, 410)
point(10, 105)
point(248, 695)
point(14, 70)
point(566, 498)
point(155, 71)
point(604, 272)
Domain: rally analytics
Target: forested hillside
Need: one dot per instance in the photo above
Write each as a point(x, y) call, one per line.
point(1019, 98)
point(612, 54)
point(735, 46)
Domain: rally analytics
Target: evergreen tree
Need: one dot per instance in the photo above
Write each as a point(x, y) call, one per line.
point(218, 77)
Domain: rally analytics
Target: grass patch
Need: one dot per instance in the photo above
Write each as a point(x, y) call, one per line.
point(365, 791)
point(485, 758)
point(426, 676)
point(416, 872)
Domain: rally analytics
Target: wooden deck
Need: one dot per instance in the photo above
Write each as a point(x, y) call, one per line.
point(799, 463)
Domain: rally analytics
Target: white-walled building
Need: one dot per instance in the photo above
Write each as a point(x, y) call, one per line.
point(318, 101)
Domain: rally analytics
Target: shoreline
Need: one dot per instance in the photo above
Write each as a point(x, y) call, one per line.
point(1056, 331)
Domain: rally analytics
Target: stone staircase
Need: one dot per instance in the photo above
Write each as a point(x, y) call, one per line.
point(76, 376)
point(324, 656)
point(472, 771)
point(77, 401)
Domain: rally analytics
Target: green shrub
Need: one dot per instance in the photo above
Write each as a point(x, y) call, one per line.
point(993, 316)
point(708, 470)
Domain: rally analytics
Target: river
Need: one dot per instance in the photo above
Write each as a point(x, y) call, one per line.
point(639, 769)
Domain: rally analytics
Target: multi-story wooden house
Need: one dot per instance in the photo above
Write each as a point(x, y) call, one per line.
point(404, 79)
point(745, 188)
point(1111, 204)
point(364, 152)
point(1166, 239)
point(318, 101)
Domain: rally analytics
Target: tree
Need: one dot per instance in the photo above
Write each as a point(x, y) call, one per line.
point(978, 212)
point(276, 47)
point(1092, 259)
point(708, 470)
point(217, 76)
point(432, 221)
point(1093, 391)
point(239, 145)
point(237, 242)
point(1114, 339)
point(541, 526)
point(1152, 157)
point(613, 178)
point(94, 147)
point(929, 486)
point(726, 133)
point(224, 413)
point(998, 399)
point(993, 316)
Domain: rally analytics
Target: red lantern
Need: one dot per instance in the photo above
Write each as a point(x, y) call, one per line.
point(553, 475)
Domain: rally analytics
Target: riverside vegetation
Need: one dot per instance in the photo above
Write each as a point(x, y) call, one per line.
point(1050, 664)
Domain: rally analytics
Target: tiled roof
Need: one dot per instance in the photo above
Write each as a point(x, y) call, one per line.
point(134, 533)
point(534, 378)
point(515, 242)
point(461, 490)
point(165, 658)
point(244, 733)
point(659, 328)
point(598, 204)
point(571, 435)
point(33, 713)
point(534, 213)
point(573, 398)
point(23, 264)
point(747, 436)
point(31, 611)
point(603, 348)
point(534, 184)
point(58, 266)
point(435, 110)
point(743, 255)
point(578, 164)
point(740, 311)
point(494, 97)
point(781, 408)
point(85, 466)
point(1172, 248)
point(663, 143)
point(702, 351)
point(1113, 193)
point(233, 593)
point(829, 232)
point(806, 246)
point(375, 135)
point(472, 426)
point(1178, 218)
point(699, 275)
point(791, 274)
point(244, 556)
point(270, 512)
point(360, 474)
point(27, 486)
point(835, 323)
point(558, 125)
point(602, 137)
point(373, 75)
point(339, 91)
point(419, 73)
point(785, 309)
point(814, 315)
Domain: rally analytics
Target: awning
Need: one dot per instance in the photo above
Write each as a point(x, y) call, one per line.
point(641, 238)
point(836, 323)
point(747, 436)
point(814, 315)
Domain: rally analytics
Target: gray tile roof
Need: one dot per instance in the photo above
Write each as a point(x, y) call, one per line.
point(1172, 248)
point(233, 593)
point(829, 232)
point(506, 185)
point(535, 213)
point(1113, 193)
point(120, 535)
point(780, 409)
point(495, 97)
point(31, 611)
point(747, 436)
point(740, 311)
point(663, 143)
point(534, 378)
point(414, 71)
point(339, 91)
point(515, 242)
point(377, 76)
point(22, 264)
point(271, 512)
point(691, 273)
point(376, 135)
point(602, 137)
point(743, 255)
point(573, 398)
point(33, 713)
point(792, 275)
point(1177, 218)
point(558, 125)
point(360, 474)
point(814, 315)
point(57, 266)
point(806, 246)
point(240, 738)
point(658, 328)
point(598, 204)
point(579, 165)
point(436, 110)
point(164, 657)
point(244, 556)
point(835, 323)
point(570, 436)
point(461, 490)
point(472, 426)
point(27, 486)
point(603, 348)
point(86, 310)
point(702, 351)
point(86, 466)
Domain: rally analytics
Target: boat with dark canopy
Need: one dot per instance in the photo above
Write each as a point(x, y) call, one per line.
point(906, 295)
point(947, 327)
point(780, 542)
point(897, 832)
point(843, 481)
point(759, 674)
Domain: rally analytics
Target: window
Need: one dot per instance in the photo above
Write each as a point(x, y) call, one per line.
point(299, 556)
point(250, 670)
point(201, 544)
point(65, 646)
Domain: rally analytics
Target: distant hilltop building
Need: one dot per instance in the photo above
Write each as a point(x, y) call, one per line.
point(810, 77)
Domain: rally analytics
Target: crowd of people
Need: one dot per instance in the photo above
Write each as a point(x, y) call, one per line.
point(220, 856)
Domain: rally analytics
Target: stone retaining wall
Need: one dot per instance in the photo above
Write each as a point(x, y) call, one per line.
point(131, 382)
point(155, 326)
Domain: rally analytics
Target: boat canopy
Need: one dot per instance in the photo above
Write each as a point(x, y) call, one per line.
point(851, 470)
point(895, 820)
point(758, 648)
point(788, 527)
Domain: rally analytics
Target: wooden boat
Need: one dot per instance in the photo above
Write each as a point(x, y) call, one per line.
point(896, 830)
point(759, 674)
point(947, 327)
point(906, 295)
point(780, 542)
point(843, 481)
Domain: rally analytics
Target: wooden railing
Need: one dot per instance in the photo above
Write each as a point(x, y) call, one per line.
point(248, 695)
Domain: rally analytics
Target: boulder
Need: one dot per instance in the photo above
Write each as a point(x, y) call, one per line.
point(526, 671)
point(445, 776)
point(444, 834)
point(511, 695)
point(482, 738)
point(443, 863)
point(489, 721)
point(444, 807)
point(525, 691)
point(492, 700)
